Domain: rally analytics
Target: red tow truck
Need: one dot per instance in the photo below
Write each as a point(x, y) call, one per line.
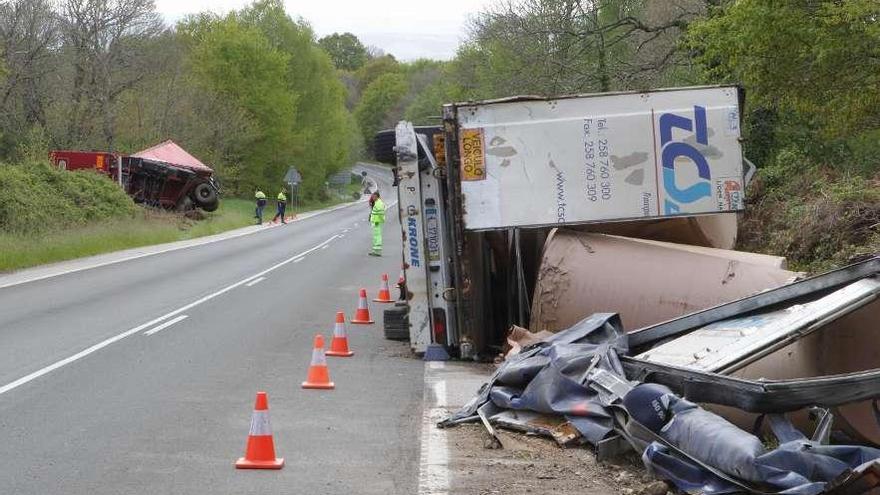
point(163, 176)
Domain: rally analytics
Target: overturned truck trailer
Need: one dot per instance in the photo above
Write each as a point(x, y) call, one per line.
point(479, 196)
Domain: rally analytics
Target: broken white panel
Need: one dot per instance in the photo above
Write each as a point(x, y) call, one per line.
point(734, 342)
point(600, 157)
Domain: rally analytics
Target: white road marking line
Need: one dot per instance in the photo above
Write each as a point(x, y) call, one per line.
point(345, 231)
point(324, 246)
point(434, 456)
point(254, 282)
point(166, 325)
point(100, 345)
point(297, 260)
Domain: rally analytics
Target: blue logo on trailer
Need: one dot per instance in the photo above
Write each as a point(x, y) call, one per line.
point(412, 228)
point(671, 150)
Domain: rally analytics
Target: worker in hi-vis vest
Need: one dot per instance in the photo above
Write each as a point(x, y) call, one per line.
point(260, 196)
point(377, 218)
point(282, 205)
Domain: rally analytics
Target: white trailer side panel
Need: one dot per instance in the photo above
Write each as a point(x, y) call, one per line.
point(412, 221)
point(600, 157)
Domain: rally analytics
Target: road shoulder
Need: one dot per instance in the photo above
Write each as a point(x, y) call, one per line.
point(76, 265)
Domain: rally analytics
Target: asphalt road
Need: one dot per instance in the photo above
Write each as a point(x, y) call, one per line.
point(90, 403)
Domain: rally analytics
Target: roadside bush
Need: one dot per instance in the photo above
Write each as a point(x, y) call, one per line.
point(818, 217)
point(36, 197)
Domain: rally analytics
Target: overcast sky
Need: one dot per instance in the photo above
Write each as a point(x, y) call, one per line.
point(408, 29)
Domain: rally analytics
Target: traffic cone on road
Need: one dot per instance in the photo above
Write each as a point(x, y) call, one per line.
point(319, 376)
point(384, 293)
point(339, 344)
point(362, 315)
point(260, 450)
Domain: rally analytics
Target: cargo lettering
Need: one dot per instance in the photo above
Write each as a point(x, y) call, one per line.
point(671, 150)
point(473, 165)
point(412, 228)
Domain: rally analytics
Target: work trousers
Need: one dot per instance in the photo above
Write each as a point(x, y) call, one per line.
point(377, 237)
point(280, 214)
point(261, 203)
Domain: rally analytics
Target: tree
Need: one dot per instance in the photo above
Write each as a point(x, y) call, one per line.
point(378, 99)
point(28, 34)
point(375, 68)
point(345, 50)
point(569, 46)
point(818, 59)
point(105, 41)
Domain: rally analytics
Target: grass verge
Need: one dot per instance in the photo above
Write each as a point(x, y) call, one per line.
point(144, 228)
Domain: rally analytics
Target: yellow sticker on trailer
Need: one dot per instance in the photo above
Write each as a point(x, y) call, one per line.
point(473, 157)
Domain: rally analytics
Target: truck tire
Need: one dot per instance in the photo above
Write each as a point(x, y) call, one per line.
point(205, 195)
point(212, 206)
point(384, 142)
point(396, 322)
point(184, 205)
point(383, 146)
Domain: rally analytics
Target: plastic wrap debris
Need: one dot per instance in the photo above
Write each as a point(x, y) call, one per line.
point(548, 377)
point(577, 374)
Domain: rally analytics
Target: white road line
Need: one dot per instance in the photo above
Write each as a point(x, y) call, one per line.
point(434, 457)
point(345, 231)
point(166, 325)
point(325, 246)
point(297, 260)
point(100, 345)
point(254, 282)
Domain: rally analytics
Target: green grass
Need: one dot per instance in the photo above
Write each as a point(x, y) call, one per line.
point(143, 228)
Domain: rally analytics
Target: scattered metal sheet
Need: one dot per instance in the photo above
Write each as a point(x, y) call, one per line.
point(728, 345)
point(790, 293)
point(810, 343)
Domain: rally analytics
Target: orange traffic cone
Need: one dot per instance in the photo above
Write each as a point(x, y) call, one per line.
point(260, 451)
point(339, 344)
point(384, 293)
point(362, 315)
point(319, 376)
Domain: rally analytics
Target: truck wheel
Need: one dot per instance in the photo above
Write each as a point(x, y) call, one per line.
point(385, 141)
point(205, 195)
point(383, 146)
point(211, 206)
point(184, 205)
point(396, 322)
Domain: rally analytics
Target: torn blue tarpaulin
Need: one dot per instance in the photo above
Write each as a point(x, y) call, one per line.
point(693, 448)
point(547, 377)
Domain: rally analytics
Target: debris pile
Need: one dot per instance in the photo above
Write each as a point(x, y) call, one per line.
point(651, 390)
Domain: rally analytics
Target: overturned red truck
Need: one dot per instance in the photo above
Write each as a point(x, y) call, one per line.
point(163, 176)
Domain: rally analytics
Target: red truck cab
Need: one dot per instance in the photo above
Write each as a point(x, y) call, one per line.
point(163, 176)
